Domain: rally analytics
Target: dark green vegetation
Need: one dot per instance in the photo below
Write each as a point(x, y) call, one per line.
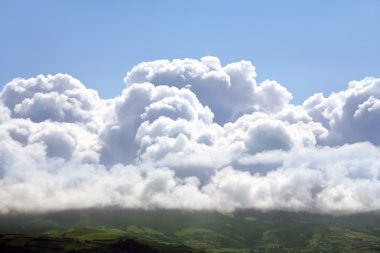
point(177, 231)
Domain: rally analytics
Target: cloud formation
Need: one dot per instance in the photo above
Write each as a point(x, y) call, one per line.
point(188, 134)
point(229, 91)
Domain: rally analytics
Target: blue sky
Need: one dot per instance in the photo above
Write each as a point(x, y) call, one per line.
point(307, 46)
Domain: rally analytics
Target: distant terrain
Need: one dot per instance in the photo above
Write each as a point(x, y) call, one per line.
point(120, 230)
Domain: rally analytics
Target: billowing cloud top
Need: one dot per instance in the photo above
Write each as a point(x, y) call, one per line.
point(188, 134)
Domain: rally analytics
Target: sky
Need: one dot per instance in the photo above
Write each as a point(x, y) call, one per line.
point(198, 106)
point(307, 46)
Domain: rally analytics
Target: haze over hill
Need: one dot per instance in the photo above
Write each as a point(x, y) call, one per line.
point(188, 134)
point(171, 231)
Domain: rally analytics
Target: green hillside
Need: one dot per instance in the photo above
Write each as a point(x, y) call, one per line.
point(179, 231)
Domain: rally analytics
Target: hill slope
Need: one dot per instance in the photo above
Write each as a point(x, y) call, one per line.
point(178, 231)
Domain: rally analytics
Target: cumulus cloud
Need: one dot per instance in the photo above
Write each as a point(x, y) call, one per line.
point(351, 115)
point(188, 134)
point(324, 180)
point(59, 98)
point(229, 90)
point(141, 103)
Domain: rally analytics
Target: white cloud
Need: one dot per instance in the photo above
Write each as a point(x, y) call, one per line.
point(229, 90)
point(351, 115)
point(189, 134)
point(146, 103)
point(326, 180)
point(59, 98)
point(4, 113)
point(271, 96)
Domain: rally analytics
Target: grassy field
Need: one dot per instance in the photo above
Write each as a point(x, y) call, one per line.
point(178, 231)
